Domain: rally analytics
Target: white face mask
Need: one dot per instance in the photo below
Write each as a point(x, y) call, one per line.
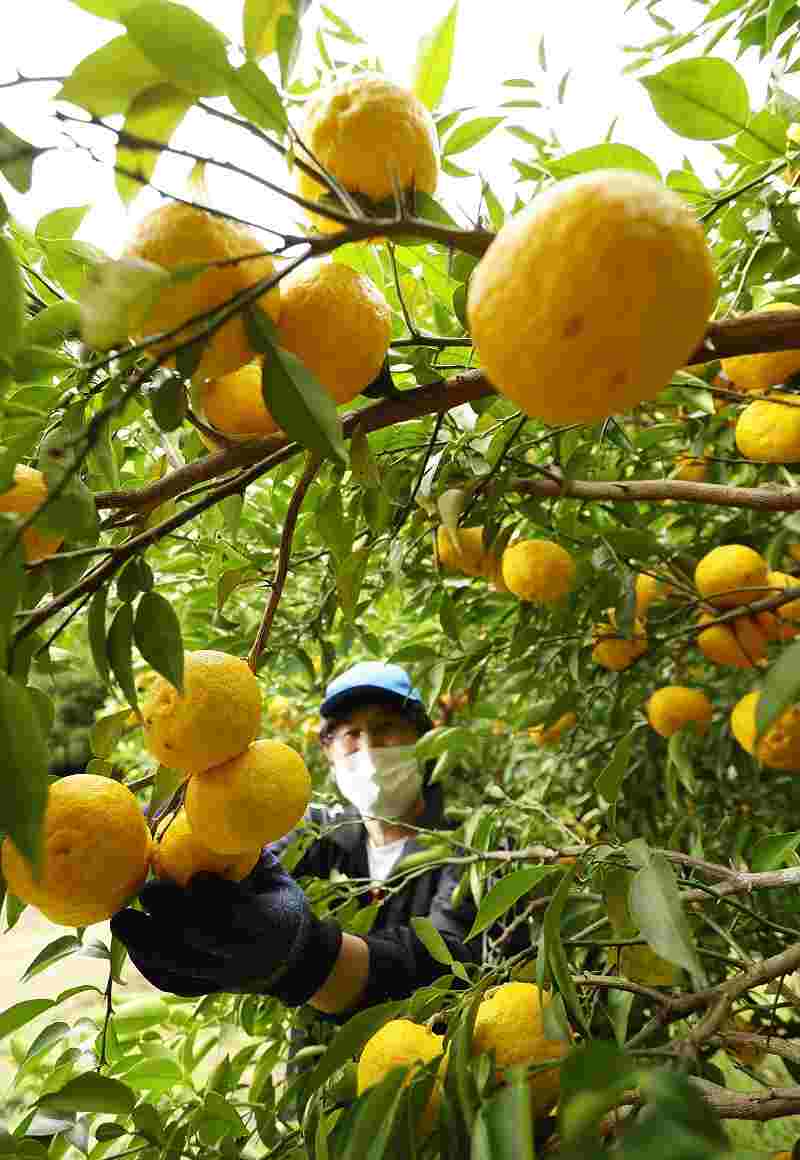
point(382, 782)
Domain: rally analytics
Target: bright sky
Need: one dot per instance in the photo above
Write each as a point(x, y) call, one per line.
point(495, 41)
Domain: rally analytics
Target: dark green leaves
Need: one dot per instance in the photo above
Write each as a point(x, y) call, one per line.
point(168, 403)
point(350, 1039)
point(92, 1093)
point(120, 652)
point(655, 907)
point(504, 894)
point(97, 634)
point(157, 632)
point(554, 947)
point(12, 316)
point(16, 159)
point(609, 783)
point(23, 770)
point(774, 851)
point(435, 59)
point(21, 1013)
point(781, 688)
point(183, 46)
point(704, 99)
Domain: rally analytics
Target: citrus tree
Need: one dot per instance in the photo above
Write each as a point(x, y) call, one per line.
point(538, 449)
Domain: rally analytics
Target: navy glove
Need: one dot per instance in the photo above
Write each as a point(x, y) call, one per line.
point(215, 936)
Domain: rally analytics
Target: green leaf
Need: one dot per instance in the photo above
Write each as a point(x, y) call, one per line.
point(183, 46)
point(107, 80)
point(554, 947)
point(432, 940)
point(300, 405)
point(503, 1128)
point(59, 948)
point(288, 37)
point(108, 9)
point(23, 771)
point(96, 627)
point(92, 1093)
point(253, 94)
point(609, 781)
point(168, 403)
point(593, 1077)
point(44, 707)
point(609, 156)
point(120, 649)
point(780, 688)
point(764, 139)
point(775, 14)
point(504, 894)
point(12, 581)
point(771, 853)
point(435, 59)
point(335, 531)
point(12, 302)
point(154, 114)
point(16, 159)
point(21, 1013)
point(349, 1041)
point(469, 134)
point(106, 732)
point(704, 99)
point(260, 26)
point(157, 632)
point(656, 908)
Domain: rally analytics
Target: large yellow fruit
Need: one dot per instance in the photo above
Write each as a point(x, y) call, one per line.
point(740, 643)
point(27, 493)
point(178, 855)
point(338, 323)
point(552, 735)
point(235, 406)
point(217, 716)
point(463, 550)
point(255, 798)
point(538, 570)
point(648, 589)
point(731, 574)
point(782, 581)
point(768, 430)
point(176, 235)
point(779, 748)
point(95, 852)
point(510, 1022)
point(373, 137)
point(759, 372)
point(673, 706)
point(566, 307)
point(613, 651)
point(403, 1043)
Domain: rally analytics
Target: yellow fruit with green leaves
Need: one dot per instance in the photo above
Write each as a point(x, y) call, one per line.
point(539, 571)
point(611, 649)
point(675, 706)
point(779, 747)
point(731, 574)
point(403, 1043)
point(768, 430)
point(754, 373)
point(740, 643)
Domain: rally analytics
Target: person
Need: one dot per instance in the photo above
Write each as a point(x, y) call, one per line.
point(261, 935)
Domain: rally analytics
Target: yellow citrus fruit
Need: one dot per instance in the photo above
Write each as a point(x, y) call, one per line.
point(267, 41)
point(510, 1022)
point(613, 651)
point(402, 1043)
point(463, 550)
point(216, 717)
point(642, 965)
point(768, 430)
point(740, 643)
point(95, 852)
point(254, 798)
point(673, 706)
point(690, 468)
point(758, 372)
point(372, 136)
point(565, 306)
point(178, 855)
point(774, 628)
point(648, 589)
point(338, 324)
point(781, 581)
point(538, 570)
point(554, 733)
point(731, 574)
point(176, 235)
point(235, 406)
point(779, 748)
point(27, 493)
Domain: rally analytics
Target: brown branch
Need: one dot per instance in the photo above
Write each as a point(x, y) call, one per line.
point(769, 1044)
point(775, 499)
point(771, 1104)
point(284, 552)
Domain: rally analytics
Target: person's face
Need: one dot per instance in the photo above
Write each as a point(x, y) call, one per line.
point(371, 727)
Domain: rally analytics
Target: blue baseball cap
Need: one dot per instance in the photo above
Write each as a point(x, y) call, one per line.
point(369, 681)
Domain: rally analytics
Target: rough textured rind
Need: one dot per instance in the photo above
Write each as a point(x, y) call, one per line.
point(768, 430)
point(673, 706)
point(779, 748)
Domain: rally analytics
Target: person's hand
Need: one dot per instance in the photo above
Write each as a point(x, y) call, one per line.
point(216, 935)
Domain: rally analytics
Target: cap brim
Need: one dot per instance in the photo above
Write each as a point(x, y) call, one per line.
point(369, 694)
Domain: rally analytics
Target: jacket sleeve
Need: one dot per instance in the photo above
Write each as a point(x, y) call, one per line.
point(399, 962)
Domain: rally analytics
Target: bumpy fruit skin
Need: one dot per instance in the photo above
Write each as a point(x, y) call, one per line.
point(338, 324)
point(464, 551)
point(178, 855)
point(565, 306)
point(731, 574)
point(768, 429)
point(740, 643)
point(779, 748)
point(217, 716)
point(544, 737)
point(177, 235)
point(403, 1043)
point(613, 651)
point(538, 570)
point(368, 133)
point(510, 1022)
point(255, 798)
point(96, 852)
point(27, 493)
point(235, 406)
point(753, 373)
point(674, 706)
